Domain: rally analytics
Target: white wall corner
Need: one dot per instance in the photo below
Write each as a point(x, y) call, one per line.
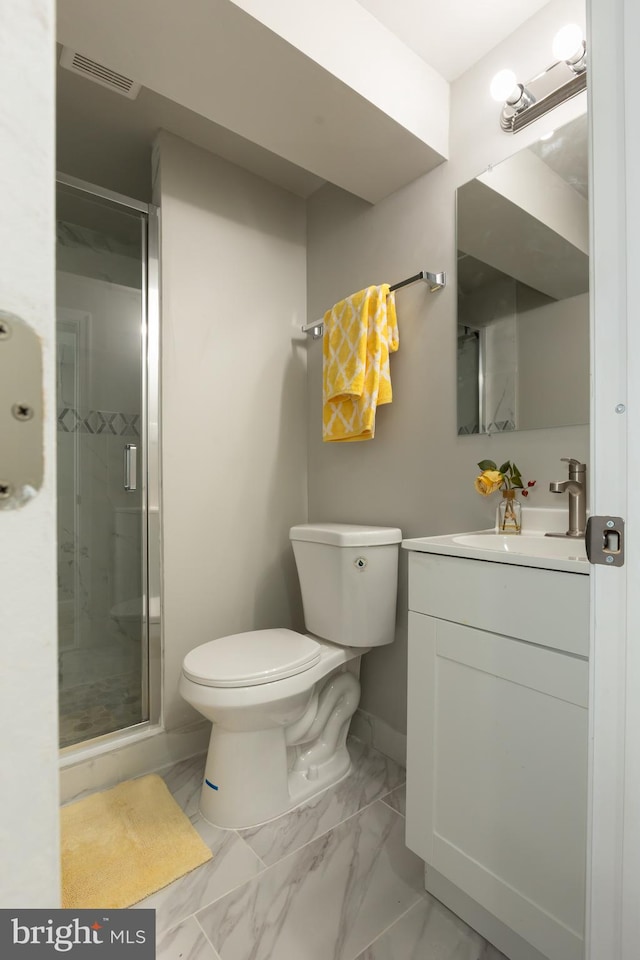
point(377, 733)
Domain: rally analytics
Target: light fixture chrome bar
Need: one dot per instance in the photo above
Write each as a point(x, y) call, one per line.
point(554, 86)
point(436, 281)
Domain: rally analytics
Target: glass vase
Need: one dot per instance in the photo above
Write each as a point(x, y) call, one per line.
point(509, 508)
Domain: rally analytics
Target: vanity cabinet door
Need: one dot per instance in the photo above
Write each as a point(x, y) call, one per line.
point(497, 776)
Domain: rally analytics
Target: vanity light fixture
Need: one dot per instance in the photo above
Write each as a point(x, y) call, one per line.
point(568, 45)
point(505, 87)
point(565, 78)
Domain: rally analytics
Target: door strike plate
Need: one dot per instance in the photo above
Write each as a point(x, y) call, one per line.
point(604, 541)
point(21, 435)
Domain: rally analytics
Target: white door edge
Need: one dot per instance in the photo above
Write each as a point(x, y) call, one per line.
point(613, 880)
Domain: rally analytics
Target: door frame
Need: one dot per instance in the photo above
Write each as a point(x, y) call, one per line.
point(613, 870)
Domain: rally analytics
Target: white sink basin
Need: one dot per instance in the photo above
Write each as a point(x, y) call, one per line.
point(540, 546)
point(532, 549)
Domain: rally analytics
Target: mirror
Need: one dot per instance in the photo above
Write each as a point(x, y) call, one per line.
point(523, 289)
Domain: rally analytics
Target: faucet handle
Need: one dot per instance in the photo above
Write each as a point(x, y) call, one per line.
point(574, 465)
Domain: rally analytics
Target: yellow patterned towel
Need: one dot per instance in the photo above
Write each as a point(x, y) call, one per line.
point(359, 334)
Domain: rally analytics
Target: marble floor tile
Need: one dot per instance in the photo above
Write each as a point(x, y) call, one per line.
point(326, 901)
point(185, 942)
point(397, 800)
point(372, 776)
point(233, 864)
point(430, 930)
point(184, 781)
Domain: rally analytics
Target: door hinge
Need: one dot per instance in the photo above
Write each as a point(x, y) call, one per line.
point(604, 540)
point(21, 404)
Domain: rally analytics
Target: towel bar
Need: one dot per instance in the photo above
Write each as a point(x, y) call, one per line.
point(436, 281)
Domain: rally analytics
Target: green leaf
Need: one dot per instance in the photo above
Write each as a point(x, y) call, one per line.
point(487, 465)
point(505, 466)
point(517, 482)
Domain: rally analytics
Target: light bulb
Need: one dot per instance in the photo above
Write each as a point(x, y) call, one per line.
point(567, 43)
point(503, 84)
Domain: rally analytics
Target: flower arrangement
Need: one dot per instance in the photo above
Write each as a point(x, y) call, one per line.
point(506, 477)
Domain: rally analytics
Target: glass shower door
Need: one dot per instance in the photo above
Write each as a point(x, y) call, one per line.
point(101, 491)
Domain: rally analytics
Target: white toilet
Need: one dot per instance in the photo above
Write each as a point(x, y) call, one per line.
point(280, 702)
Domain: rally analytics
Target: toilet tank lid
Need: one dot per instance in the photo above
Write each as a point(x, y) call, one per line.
point(345, 534)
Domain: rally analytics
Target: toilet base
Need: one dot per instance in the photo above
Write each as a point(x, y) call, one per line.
point(220, 807)
point(252, 776)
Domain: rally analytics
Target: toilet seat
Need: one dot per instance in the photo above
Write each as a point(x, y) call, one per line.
point(249, 659)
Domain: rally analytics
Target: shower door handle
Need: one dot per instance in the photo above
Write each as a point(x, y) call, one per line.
point(130, 466)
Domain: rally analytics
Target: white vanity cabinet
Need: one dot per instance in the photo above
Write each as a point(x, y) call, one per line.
point(497, 747)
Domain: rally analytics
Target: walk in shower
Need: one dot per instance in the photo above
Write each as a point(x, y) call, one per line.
point(107, 428)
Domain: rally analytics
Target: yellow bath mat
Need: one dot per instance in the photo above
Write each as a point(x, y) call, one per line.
point(122, 845)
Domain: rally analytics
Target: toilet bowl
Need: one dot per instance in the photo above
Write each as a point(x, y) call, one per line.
point(280, 701)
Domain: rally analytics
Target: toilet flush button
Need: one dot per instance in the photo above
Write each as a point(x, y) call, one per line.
point(360, 563)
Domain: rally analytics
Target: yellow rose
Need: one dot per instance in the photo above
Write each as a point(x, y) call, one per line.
point(488, 482)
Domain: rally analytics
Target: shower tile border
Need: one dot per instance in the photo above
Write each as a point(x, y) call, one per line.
point(113, 422)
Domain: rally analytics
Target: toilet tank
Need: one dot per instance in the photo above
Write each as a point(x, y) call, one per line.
point(349, 579)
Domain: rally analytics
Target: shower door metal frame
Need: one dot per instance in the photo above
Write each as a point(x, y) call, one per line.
point(151, 646)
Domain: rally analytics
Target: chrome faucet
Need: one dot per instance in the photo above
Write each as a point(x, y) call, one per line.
point(576, 487)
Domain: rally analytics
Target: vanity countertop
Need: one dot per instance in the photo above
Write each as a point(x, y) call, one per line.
point(531, 548)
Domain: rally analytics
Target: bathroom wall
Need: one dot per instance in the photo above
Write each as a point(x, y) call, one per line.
point(417, 473)
point(233, 402)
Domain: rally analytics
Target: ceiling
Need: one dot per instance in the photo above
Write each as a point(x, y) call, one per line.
point(107, 139)
point(452, 35)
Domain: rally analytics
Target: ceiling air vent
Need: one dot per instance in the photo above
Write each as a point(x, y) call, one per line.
point(95, 71)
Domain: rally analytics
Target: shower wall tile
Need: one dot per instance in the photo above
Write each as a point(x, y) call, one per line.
point(95, 254)
point(66, 519)
point(109, 422)
point(114, 656)
point(500, 372)
point(108, 344)
point(66, 629)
